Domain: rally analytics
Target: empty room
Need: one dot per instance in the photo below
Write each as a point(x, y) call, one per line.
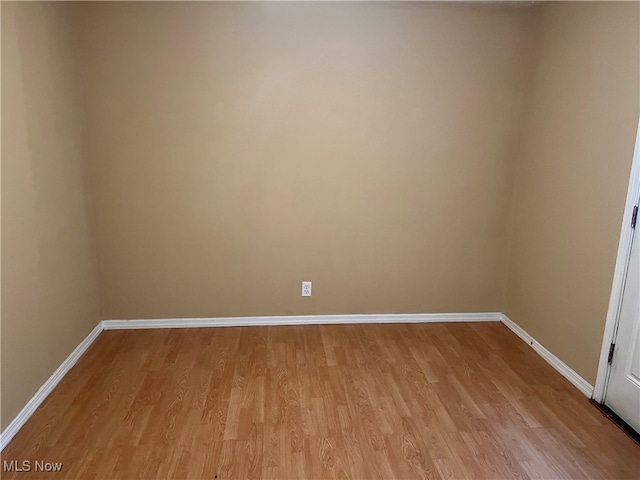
point(313, 240)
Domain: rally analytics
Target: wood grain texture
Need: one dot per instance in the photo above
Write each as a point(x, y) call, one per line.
point(337, 401)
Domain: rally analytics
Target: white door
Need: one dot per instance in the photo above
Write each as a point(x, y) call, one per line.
point(623, 389)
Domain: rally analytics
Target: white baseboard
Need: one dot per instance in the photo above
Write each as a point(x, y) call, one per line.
point(300, 320)
point(48, 386)
point(567, 372)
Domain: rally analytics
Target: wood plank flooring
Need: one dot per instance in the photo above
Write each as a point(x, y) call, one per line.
point(464, 400)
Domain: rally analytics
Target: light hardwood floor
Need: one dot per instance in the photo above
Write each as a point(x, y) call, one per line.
point(348, 401)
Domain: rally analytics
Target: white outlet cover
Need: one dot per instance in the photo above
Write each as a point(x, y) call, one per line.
point(306, 289)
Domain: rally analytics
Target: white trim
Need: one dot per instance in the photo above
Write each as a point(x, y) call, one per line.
point(622, 261)
point(50, 384)
point(33, 404)
point(567, 372)
point(299, 320)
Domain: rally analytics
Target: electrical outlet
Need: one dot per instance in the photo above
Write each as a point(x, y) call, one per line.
point(306, 289)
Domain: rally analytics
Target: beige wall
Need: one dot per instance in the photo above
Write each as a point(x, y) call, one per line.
point(573, 176)
point(49, 290)
point(240, 149)
point(233, 151)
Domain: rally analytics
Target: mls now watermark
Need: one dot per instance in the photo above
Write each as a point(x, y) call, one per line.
point(28, 466)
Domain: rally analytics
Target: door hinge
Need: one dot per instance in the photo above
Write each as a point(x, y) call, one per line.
point(611, 349)
point(634, 217)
